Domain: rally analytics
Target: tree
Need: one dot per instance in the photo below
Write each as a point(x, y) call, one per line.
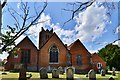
point(1, 6)
point(7, 37)
point(27, 20)
point(18, 29)
point(81, 6)
point(4, 2)
point(110, 54)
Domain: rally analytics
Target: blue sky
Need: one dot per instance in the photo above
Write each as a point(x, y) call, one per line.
point(93, 27)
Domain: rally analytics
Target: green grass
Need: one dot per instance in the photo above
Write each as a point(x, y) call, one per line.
point(36, 76)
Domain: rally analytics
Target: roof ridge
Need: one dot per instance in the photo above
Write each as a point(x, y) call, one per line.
point(72, 44)
point(50, 38)
point(46, 41)
point(29, 40)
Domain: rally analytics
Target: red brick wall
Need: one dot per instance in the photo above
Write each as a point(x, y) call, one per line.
point(10, 63)
point(79, 49)
point(25, 44)
point(96, 59)
point(44, 53)
point(44, 36)
point(76, 49)
point(33, 52)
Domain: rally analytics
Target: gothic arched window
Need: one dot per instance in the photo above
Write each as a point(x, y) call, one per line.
point(53, 58)
point(78, 60)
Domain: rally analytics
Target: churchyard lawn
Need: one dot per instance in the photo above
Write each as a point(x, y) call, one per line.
point(36, 76)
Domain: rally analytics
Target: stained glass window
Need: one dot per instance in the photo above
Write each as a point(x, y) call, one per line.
point(54, 54)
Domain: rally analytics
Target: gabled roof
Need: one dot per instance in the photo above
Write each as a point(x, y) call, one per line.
point(28, 40)
point(73, 44)
point(96, 56)
point(69, 47)
point(21, 42)
point(57, 37)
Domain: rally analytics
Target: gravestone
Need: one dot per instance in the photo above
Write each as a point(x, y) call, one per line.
point(70, 73)
point(86, 75)
point(43, 73)
point(92, 75)
point(113, 71)
point(103, 72)
point(22, 74)
point(49, 69)
point(55, 73)
point(61, 70)
point(111, 78)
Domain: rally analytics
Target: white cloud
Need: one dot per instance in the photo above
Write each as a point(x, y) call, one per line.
point(118, 30)
point(4, 55)
point(91, 23)
point(93, 51)
point(34, 30)
point(90, 26)
point(67, 34)
point(18, 5)
point(117, 43)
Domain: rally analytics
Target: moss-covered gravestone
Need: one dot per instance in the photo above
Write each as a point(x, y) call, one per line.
point(55, 73)
point(70, 73)
point(92, 75)
point(61, 70)
point(103, 72)
point(43, 73)
point(113, 72)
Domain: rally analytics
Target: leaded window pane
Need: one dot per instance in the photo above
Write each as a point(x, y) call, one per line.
point(78, 60)
point(25, 58)
point(53, 54)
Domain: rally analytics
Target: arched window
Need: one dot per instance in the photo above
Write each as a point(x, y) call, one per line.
point(69, 60)
point(78, 60)
point(53, 54)
point(25, 57)
point(99, 65)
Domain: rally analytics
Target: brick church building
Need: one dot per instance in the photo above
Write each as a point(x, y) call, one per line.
point(53, 53)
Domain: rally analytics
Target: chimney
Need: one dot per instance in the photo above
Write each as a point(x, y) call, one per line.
point(65, 45)
point(42, 29)
point(51, 30)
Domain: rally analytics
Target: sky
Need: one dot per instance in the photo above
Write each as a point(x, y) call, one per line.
point(93, 27)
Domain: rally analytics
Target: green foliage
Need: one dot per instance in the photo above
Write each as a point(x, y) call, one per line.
point(2, 63)
point(7, 37)
point(111, 54)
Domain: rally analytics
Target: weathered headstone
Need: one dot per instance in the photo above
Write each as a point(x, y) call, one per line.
point(43, 73)
point(49, 69)
point(86, 75)
point(92, 75)
point(103, 72)
point(55, 73)
point(61, 70)
point(22, 74)
point(70, 73)
point(111, 78)
point(113, 71)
